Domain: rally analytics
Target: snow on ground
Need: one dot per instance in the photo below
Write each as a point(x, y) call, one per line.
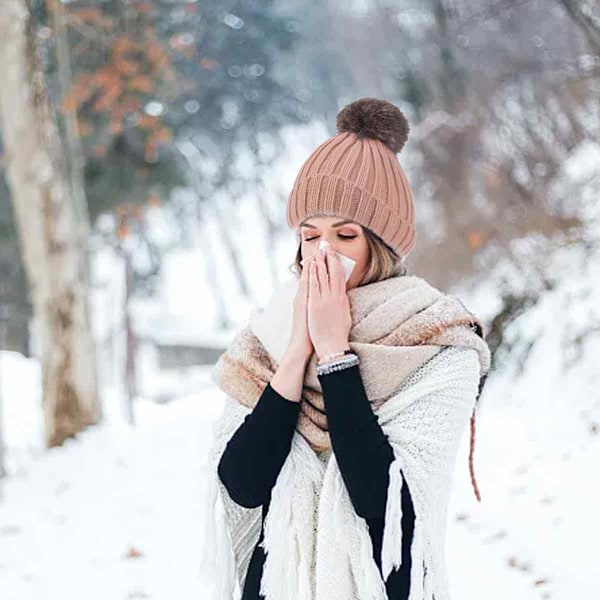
point(537, 444)
point(113, 514)
point(70, 516)
point(116, 513)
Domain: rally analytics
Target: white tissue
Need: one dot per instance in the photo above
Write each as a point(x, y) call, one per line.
point(278, 315)
point(347, 263)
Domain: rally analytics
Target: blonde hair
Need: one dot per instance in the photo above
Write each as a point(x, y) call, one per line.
point(383, 263)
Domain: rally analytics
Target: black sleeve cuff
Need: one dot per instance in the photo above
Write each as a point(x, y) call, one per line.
point(278, 405)
point(346, 399)
point(274, 418)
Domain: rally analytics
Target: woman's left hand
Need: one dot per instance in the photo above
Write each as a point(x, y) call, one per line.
point(329, 317)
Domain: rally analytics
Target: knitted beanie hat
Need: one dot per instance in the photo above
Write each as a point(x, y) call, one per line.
point(356, 174)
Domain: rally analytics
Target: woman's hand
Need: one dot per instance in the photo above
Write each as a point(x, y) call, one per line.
point(329, 318)
point(301, 346)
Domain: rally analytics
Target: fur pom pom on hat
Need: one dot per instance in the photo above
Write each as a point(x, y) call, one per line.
point(375, 119)
point(355, 174)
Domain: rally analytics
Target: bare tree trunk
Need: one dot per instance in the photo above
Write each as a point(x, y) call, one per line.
point(223, 320)
point(230, 249)
point(130, 345)
point(46, 219)
point(76, 162)
point(201, 228)
point(76, 157)
point(260, 195)
point(271, 231)
point(2, 446)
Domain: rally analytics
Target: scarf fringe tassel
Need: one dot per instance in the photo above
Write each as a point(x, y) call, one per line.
point(286, 574)
point(218, 561)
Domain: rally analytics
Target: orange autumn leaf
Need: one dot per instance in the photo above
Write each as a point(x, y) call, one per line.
point(141, 83)
point(156, 55)
point(475, 239)
point(137, 211)
point(123, 44)
point(138, 62)
point(129, 103)
point(163, 134)
point(81, 89)
point(70, 102)
point(127, 68)
point(106, 101)
point(122, 230)
point(108, 95)
point(148, 122)
point(107, 77)
point(153, 200)
point(133, 552)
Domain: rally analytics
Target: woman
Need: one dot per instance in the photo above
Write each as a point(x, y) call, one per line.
point(345, 400)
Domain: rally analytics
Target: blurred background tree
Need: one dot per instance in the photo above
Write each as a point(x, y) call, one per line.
point(191, 108)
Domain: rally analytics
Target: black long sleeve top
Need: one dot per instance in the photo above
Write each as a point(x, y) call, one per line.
point(255, 454)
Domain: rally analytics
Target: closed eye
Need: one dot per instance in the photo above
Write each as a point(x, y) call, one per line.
point(345, 237)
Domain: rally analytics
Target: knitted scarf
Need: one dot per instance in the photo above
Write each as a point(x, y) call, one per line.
point(402, 328)
point(398, 324)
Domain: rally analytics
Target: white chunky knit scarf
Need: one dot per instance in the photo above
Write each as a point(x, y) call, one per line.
point(317, 547)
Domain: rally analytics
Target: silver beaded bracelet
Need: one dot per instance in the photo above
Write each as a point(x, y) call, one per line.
point(348, 360)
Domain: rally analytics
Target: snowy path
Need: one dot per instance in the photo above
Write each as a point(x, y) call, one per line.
point(113, 515)
point(534, 535)
point(116, 515)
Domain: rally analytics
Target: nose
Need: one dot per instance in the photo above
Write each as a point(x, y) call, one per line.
point(324, 243)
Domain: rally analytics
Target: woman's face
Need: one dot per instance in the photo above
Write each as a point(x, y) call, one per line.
point(345, 237)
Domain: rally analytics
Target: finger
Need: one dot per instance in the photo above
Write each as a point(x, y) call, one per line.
point(307, 262)
point(314, 287)
point(337, 281)
point(322, 274)
point(307, 275)
point(304, 273)
point(303, 285)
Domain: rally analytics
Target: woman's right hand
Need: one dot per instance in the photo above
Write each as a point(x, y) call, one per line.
point(300, 343)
